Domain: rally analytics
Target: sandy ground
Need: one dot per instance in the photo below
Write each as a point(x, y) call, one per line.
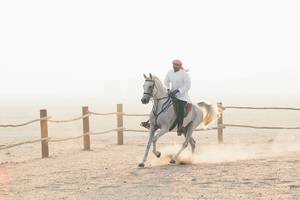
point(246, 166)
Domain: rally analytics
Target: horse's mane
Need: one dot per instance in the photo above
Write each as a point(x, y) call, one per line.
point(158, 82)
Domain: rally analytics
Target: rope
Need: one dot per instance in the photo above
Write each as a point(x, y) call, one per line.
point(137, 115)
point(140, 115)
point(44, 118)
point(21, 143)
point(209, 129)
point(111, 113)
point(147, 131)
point(108, 131)
point(70, 120)
point(25, 123)
point(119, 113)
point(134, 130)
point(2, 147)
point(88, 133)
point(260, 108)
point(66, 139)
point(259, 127)
point(80, 136)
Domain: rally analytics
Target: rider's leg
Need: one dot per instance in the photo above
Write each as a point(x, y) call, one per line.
point(181, 108)
point(176, 107)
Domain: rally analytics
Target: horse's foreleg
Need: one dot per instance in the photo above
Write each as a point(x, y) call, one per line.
point(142, 164)
point(159, 133)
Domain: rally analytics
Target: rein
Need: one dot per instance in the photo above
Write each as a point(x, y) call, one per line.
point(165, 106)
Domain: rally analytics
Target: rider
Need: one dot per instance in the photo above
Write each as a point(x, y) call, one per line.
point(180, 84)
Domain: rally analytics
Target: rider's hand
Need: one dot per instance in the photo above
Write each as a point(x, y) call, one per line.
point(172, 94)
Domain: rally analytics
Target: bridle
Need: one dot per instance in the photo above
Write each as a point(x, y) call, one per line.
point(152, 89)
point(164, 107)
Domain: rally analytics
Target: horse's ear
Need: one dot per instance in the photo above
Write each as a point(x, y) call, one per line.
point(145, 77)
point(150, 75)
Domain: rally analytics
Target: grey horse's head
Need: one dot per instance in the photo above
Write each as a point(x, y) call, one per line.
point(148, 86)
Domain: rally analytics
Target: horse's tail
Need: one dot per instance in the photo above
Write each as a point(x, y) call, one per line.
point(210, 112)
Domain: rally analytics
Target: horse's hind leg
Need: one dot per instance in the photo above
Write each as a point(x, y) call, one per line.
point(193, 144)
point(191, 141)
point(156, 153)
point(184, 145)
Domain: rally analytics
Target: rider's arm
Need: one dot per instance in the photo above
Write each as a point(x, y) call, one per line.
point(187, 84)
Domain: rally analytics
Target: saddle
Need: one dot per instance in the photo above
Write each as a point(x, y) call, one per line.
point(187, 111)
point(186, 121)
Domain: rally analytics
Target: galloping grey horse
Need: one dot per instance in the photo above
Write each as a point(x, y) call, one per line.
point(163, 116)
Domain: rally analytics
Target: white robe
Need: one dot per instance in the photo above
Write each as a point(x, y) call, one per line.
point(179, 80)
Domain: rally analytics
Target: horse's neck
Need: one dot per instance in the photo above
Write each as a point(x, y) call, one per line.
point(159, 105)
point(159, 101)
point(160, 96)
point(161, 91)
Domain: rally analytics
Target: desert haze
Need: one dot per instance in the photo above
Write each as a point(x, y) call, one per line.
point(65, 55)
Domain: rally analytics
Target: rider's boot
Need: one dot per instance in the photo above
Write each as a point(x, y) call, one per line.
point(180, 130)
point(145, 124)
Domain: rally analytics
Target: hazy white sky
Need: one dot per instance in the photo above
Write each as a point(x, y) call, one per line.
point(233, 48)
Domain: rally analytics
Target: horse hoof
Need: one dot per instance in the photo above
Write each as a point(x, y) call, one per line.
point(172, 161)
point(141, 165)
point(158, 154)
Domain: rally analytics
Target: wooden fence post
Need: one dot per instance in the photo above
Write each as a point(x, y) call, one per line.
point(120, 124)
point(86, 129)
point(44, 134)
point(220, 123)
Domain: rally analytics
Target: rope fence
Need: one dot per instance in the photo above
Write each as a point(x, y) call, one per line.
point(137, 115)
point(110, 113)
point(261, 127)
point(2, 147)
point(120, 113)
point(146, 131)
point(23, 124)
point(22, 143)
point(69, 120)
point(260, 108)
point(86, 114)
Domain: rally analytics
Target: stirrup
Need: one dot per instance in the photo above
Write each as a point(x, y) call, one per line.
point(145, 124)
